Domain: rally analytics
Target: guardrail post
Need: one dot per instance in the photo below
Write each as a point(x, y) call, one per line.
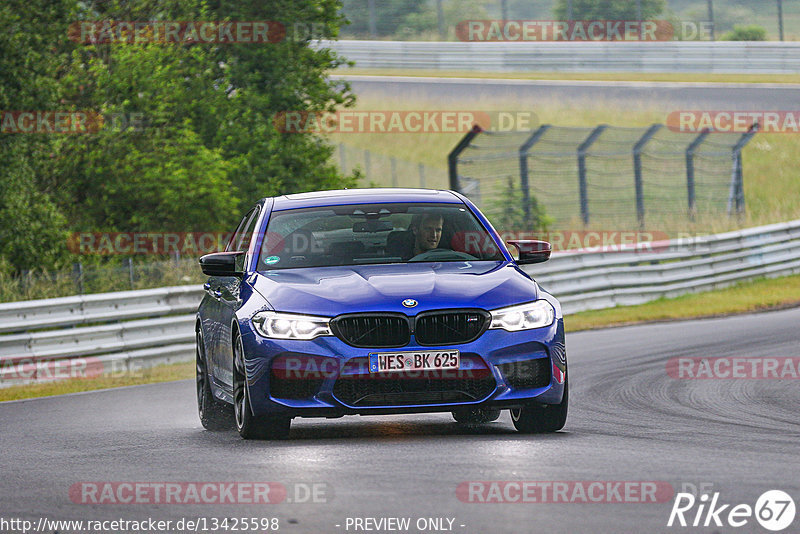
point(582, 150)
point(690, 150)
point(452, 157)
point(637, 170)
point(737, 179)
point(523, 169)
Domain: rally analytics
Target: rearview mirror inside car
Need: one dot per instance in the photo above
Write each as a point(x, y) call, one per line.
point(372, 226)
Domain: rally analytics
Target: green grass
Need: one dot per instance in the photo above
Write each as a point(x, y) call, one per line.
point(758, 295)
point(161, 373)
point(584, 76)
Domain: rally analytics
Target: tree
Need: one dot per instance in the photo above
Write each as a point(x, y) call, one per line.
point(506, 211)
point(205, 145)
point(609, 9)
point(32, 49)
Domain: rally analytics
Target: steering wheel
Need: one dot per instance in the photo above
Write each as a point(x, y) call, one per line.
point(441, 254)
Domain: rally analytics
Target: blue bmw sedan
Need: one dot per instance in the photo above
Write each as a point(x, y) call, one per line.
point(376, 301)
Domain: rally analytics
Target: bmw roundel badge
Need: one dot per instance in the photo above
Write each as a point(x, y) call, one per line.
point(409, 303)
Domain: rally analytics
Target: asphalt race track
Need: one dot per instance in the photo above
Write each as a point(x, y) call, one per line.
point(629, 421)
point(661, 96)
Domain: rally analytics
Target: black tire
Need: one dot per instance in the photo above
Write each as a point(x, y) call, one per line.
point(214, 414)
point(475, 416)
point(539, 418)
point(248, 425)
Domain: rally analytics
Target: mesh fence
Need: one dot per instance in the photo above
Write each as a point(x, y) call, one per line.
point(587, 176)
point(379, 170)
point(85, 279)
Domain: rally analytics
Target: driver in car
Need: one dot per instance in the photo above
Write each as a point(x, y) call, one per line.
point(427, 232)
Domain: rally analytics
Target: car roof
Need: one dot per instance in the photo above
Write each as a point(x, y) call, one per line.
point(340, 197)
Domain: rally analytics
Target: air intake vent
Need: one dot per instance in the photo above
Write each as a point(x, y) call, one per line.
point(527, 373)
point(362, 388)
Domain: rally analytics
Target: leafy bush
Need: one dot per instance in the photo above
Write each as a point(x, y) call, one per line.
point(753, 32)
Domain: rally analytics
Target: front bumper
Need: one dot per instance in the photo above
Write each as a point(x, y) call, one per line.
point(326, 377)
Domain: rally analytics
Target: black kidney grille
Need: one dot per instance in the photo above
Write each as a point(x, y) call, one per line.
point(368, 330)
point(527, 373)
point(445, 328)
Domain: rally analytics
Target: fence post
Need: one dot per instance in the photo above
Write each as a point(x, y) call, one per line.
point(523, 169)
point(393, 161)
point(452, 157)
point(637, 170)
point(422, 176)
point(582, 149)
point(737, 177)
point(690, 150)
point(77, 275)
point(130, 271)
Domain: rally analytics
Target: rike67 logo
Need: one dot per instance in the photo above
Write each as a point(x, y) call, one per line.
point(774, 510)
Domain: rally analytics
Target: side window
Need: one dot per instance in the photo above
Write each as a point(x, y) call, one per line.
point(241, 238)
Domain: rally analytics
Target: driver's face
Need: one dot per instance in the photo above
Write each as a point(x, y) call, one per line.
point(429, 234)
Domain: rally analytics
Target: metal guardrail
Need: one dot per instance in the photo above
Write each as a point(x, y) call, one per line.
point(134, 329)
point(638, 274)
point(767, 57)
point(99, 307)
point(108, 333)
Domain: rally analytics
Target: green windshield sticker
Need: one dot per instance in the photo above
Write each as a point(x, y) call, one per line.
point(272, 259)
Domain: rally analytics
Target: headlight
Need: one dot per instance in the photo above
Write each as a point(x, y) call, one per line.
point(289, 326)
point(524, 317)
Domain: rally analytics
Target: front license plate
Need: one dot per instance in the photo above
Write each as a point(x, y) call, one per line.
point(387, 362)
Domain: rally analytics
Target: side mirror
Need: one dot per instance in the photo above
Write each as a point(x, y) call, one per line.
point(531, 250)
point(223, 263)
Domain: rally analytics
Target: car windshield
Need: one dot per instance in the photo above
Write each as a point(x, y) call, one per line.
point(374, 233)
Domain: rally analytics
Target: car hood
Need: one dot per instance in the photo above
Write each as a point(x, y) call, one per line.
point(330, 291)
